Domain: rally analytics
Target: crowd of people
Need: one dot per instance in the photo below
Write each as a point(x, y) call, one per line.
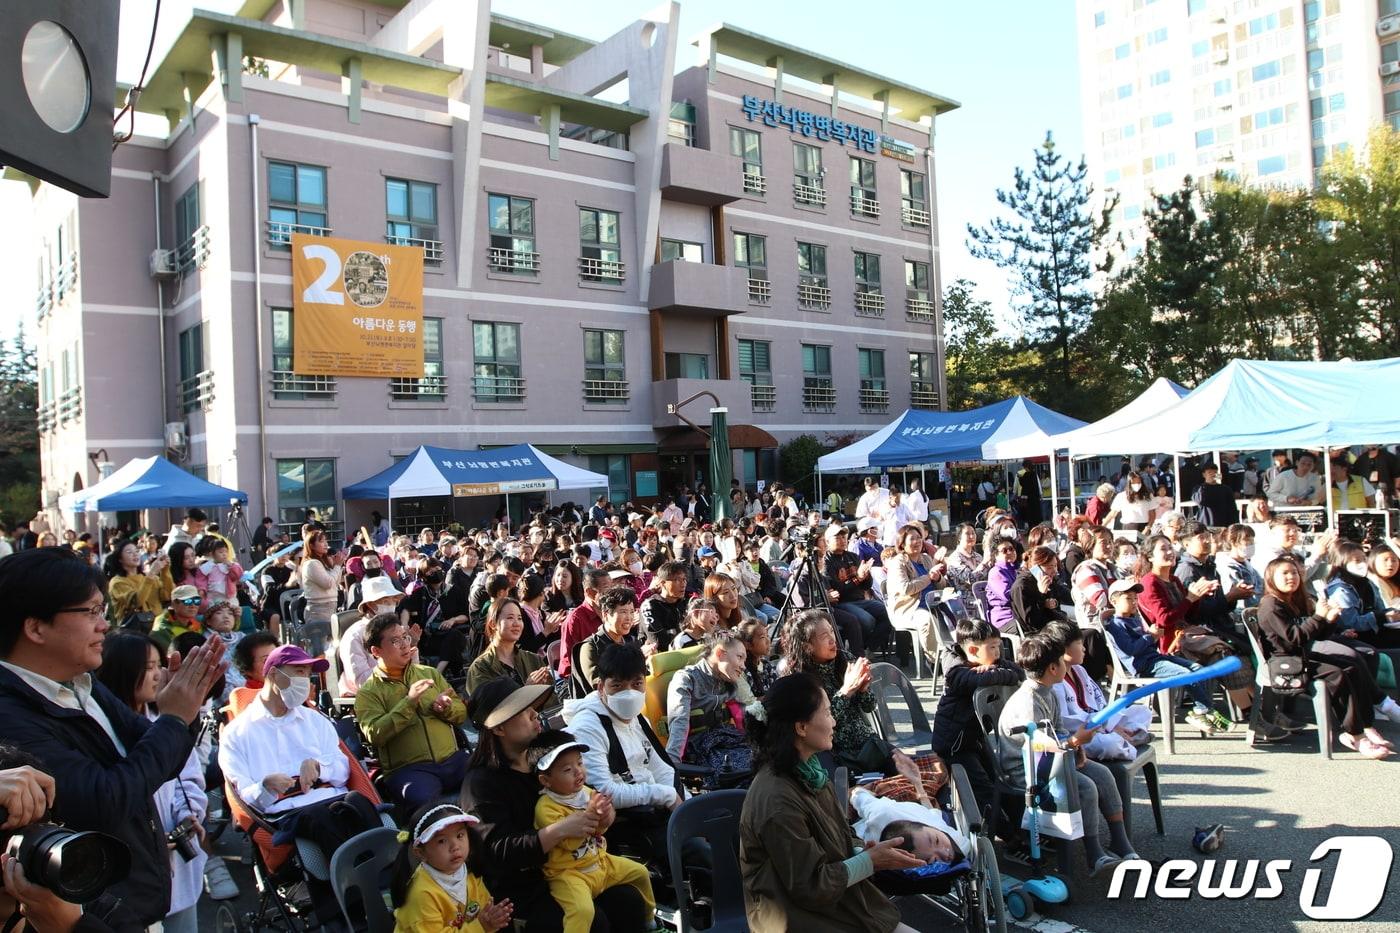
point(495, 686)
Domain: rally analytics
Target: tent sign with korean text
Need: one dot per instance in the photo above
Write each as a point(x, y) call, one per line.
point(358, 308)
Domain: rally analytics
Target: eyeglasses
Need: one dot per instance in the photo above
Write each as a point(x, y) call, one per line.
point(95, 612)
point(403, 641)
point(191, 601)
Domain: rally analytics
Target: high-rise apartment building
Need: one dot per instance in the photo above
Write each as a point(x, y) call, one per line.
point(758, 223)
point(1264, 90)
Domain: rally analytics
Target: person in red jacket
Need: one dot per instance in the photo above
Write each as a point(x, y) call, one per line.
point(1166, 605)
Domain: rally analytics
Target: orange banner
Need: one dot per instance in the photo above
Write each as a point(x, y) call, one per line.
point(357, 308)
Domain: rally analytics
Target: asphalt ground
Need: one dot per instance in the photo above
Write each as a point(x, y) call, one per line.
point(1279, 802)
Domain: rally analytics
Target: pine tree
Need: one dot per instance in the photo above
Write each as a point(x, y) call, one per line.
point(1048, 246)
point(19, 430)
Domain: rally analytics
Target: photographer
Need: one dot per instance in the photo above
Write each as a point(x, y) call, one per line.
point(107, 761)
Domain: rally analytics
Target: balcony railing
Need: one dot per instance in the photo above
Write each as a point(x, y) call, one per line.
point(872, 399)
point(923, 395)
point(197, 392)
point(760, 291)
point(604, 391)
point(601, 270)
point(432, 249)
point(916, 216)
point(861, 206)
point(755, 183)
point(65, 278)
point(194, 252)
point(279, 232)
point(813, 296)
point(70, 405)
point(48, 417)
point(285, 382)
point(763, 398)
point(418, 388)
point(43, 301)
point(514, 261)
point(498, 388)
point(815, 195)
point(818, 394)
point(918, 307)
point(870, 304)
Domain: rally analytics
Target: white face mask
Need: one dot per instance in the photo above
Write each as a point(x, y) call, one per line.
point(1247, 551)
point(636, 568)
point(1136, 487)
point(296, 692)
point(1128, 565)
point(1008, 532)
point(626, 704)
point(1356, 568)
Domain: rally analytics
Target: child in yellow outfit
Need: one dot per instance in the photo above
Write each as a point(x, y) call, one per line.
point(441, 894)
point(579, 869)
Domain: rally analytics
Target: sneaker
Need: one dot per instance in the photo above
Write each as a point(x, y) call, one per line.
point(1263, 733)
point(1289, 725)
point(1017, 852)
point(1201, 720)
point(1222, 722)
point(1104, 863)
point(1387, 709)
point(217, 881)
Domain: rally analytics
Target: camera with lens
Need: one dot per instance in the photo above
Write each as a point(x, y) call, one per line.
point(183, 838)
point(799, 534)
point(75, 865)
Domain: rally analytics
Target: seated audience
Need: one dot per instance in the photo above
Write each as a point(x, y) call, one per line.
point(704, 707)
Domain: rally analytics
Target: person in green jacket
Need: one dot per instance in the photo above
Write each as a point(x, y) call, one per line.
point(182, 616)
point(410, 714)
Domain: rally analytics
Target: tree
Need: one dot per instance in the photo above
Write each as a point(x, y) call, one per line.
point(1048, 247)
point(797, 462)
point(976, 354)
point(19, 430)
point(1362, 199)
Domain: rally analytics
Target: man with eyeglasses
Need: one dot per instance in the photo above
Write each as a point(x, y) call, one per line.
point(409, 713)
point(106, 760)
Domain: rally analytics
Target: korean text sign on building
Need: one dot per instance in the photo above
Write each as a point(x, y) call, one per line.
point(357, 308)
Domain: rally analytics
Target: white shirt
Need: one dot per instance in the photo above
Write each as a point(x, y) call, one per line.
point(1290, 485)
point(76, 694)
point(872, 503)
point(356, 663)
point(875, 813)
point(653, 779)
point(895, 519)
point(176, 799)
point(256, 744)
point(918, 504)
point(1132, 512)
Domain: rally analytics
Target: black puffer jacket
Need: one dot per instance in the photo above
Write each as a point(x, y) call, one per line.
point(955, 721)
point(96, 787)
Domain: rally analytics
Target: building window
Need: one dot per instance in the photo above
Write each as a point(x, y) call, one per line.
point(615, 468)
point(751, 253)
point(808, 176)
point(191, 245)
point(687, 366)
point(1100, 18)
point(1159, 78)
point(512, 230)
point(746, 145)
point(818, 392)
point(1157, 36)
point(496, 350)
point(682, 251)
point(923, 381)
point(1272, 165)
point(432, 387)
point(304, 488)
point(812, 290)
point(864, 201)
point(1123, 51)
point(604, 367)
point(1265, 71)
point(287, 385)
point(1161, 119)
point(756, 368)
point(297, 202)
point(870, 300)
point(1125, 90)
point(1204, 138)
point(196, 382)
point(918, 299)
point(681, 128)
point(874, 393)
point(913, 199)
point(600, 255)
point(412, 217)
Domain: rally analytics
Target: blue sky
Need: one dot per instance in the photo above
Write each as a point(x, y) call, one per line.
point(1011, 63)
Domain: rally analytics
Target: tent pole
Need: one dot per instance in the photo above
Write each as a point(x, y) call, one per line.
point(1054, 494)
point(1176, 478)
point(1327, 499)
point(390, 500)
point(820, 500)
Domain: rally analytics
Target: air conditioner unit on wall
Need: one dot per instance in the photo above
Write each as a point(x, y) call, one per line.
point(1390, 68)
point(177, 441)
point(1388, 25)
point(163, 264)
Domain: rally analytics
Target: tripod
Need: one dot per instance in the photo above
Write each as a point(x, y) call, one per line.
point(806, 567)
point(239, 533)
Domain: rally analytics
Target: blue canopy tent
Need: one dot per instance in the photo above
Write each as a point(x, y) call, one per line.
point(919, 437)
point(443, 471)
point(149, 483)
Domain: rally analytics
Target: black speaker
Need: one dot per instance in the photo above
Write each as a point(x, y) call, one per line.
point(58, 74)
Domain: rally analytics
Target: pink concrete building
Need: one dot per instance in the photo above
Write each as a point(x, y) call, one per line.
point(755, 221)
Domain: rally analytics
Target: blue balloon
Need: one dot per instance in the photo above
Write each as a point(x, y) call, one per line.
point(1218, 669)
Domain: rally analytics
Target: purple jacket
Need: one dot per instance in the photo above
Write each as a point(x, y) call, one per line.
point(999, 582)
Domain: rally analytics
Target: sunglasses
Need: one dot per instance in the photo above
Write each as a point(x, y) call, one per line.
point(191, 601)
